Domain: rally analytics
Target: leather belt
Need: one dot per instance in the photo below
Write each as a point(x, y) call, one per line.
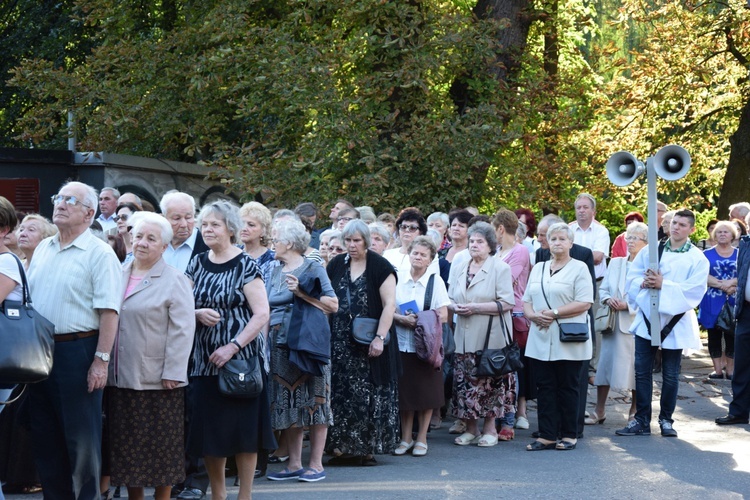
point(69, 337)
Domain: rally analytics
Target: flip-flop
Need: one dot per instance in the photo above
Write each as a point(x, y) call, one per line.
point(487, 441)
point(465, 439)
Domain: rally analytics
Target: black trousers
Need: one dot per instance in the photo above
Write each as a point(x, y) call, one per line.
point(558, 402)
point(740, 405)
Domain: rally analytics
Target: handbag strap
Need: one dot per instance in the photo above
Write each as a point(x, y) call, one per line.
point(541, 281)
point(506, 335)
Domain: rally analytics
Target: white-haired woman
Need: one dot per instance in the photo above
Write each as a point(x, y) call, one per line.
point(31, 232)
point(440, 222)
point(231, 308)
point(299, 399)
point(617, 359)
point(364, 378)
point(380, 237)
point(558, 291)
point(149, 368)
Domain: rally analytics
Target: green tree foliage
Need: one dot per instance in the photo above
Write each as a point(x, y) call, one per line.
point(45, 29)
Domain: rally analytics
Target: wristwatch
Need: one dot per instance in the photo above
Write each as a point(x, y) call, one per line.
point(381, 337)
point(236, 342)
point(104, 356)
point(556, 313)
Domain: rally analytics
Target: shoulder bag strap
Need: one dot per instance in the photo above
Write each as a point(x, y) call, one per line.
point(506, 334)
point(541, 282)
point(428, 293)
point(24, 283)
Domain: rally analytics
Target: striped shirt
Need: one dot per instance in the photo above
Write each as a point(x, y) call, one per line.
point(71, 285)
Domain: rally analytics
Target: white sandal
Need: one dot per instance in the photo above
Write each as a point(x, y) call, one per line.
point(403, 447)
point(420, 449)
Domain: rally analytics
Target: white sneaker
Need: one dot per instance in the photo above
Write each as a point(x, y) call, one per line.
point(522, 423)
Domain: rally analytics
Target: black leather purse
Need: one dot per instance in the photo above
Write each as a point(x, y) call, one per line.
point(241, 378)
point(27, 344)
point(498, 362)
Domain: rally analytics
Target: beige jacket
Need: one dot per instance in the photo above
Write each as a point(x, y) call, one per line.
point(613, 286)
point(157, 326)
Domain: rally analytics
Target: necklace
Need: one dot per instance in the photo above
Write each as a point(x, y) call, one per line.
point(553, 272)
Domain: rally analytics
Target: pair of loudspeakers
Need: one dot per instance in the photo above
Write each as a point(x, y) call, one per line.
point(670, 163)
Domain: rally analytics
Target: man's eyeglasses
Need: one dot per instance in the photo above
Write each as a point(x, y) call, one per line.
point(344, 219)
point(118, 218)
point(70, 200)
point(409, 228)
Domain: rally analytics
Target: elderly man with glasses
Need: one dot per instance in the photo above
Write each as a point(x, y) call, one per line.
point(75, 283)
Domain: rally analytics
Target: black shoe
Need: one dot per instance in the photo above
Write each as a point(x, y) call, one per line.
point(635, 428)
point(535, 434)
point(258, 473)
point(731, 420)
point(191, 494)
point(667, 430)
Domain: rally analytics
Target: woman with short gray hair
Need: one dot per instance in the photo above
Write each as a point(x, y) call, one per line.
point(380, 237)
point(482, 297)
point(228, 213)
point(298, 399)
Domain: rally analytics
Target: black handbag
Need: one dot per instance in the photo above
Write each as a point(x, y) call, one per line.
point(726, 320)
point(241, 378)
point(498, 362)
point(569, 332)
point(27, 342)
point(364, 329)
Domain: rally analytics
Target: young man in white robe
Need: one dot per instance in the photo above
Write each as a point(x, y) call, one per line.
point(682, 280)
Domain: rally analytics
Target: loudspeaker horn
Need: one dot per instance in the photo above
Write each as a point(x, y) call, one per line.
point(623, 168)
point(671, 162)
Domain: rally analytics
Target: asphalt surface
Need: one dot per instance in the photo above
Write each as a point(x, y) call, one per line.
point(705, 462)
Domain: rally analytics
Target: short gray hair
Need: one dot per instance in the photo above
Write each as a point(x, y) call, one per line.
point(227, 212)
point(436, 237)
point(293, 232)
point(140, 218)
point(744, 206)
point(354, 227)
point(637, 229)
point(439, 215)
point(561, 227)
point(112, 190)
point(91, 198)
point(367, 214)
point(284, 213)
point(424, 241)
point(550, 219)
point(486, 231)
point(172, 196)
point(588, 197)
point(521, 231)
point(380, 230)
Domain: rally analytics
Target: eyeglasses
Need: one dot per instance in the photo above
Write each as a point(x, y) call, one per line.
point(634, 238)
point(409, 228)
point(344, 219)
point(335, 249)
point(118, 218)
point(70, 200)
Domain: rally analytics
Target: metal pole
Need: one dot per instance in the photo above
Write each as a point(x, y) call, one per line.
point(71, 132)
point(653, 251)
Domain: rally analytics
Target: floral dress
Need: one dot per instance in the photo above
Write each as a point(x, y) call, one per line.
point(366, 418)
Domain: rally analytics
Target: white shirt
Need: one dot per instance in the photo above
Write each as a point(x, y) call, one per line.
point(408, 290)
point(596, 239)
point(69, 286)
point(179, 257)
point(107, 223)
point(684, 284)
point(9, 267)
point(402, 264)
point(458, 260)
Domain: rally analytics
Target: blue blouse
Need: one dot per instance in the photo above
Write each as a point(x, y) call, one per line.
point(722, 268)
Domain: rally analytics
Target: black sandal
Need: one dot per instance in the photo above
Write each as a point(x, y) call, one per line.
point(539, 446)
point(565, 446)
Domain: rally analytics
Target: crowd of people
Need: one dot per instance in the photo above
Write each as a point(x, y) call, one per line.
point(154, 312)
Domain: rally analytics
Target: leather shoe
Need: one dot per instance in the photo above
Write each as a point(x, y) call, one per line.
point(730, 420)
point(191, 494)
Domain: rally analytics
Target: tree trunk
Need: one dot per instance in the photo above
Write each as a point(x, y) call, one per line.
point(737, 177)
point(513, 37)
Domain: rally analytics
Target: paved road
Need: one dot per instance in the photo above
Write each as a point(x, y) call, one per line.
point(705, 462)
